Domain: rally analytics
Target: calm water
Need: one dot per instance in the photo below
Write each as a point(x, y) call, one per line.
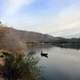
point(61, 64)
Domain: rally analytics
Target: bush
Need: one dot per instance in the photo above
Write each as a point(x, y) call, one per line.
point(20, 68)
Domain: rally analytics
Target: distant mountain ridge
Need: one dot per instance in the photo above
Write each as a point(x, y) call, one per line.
point(18, 41)
point(75, 35)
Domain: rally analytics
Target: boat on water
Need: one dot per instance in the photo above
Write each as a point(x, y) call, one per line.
point(43, 54)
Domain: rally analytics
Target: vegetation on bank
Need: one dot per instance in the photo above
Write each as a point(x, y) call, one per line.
point(19, 68)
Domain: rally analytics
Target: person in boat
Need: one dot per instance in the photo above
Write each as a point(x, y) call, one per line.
point(44, 54)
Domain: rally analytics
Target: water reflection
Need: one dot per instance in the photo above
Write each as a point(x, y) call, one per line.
point(62, 64)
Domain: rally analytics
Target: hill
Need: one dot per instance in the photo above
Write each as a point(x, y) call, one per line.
point(18, 41)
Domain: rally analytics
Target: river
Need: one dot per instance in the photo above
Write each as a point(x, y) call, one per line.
point(61, 64)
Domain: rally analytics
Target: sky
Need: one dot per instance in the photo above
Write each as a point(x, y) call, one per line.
point(55, 17)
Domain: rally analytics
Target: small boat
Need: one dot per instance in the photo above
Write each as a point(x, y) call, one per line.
point(44, 54)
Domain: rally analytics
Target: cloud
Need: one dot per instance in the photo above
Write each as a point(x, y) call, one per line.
point(68, 21)
point(60, 23)
point(14, 5)
point(65, 22)
point(10, 13)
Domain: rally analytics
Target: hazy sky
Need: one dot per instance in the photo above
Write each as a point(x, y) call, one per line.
point(47, 16)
